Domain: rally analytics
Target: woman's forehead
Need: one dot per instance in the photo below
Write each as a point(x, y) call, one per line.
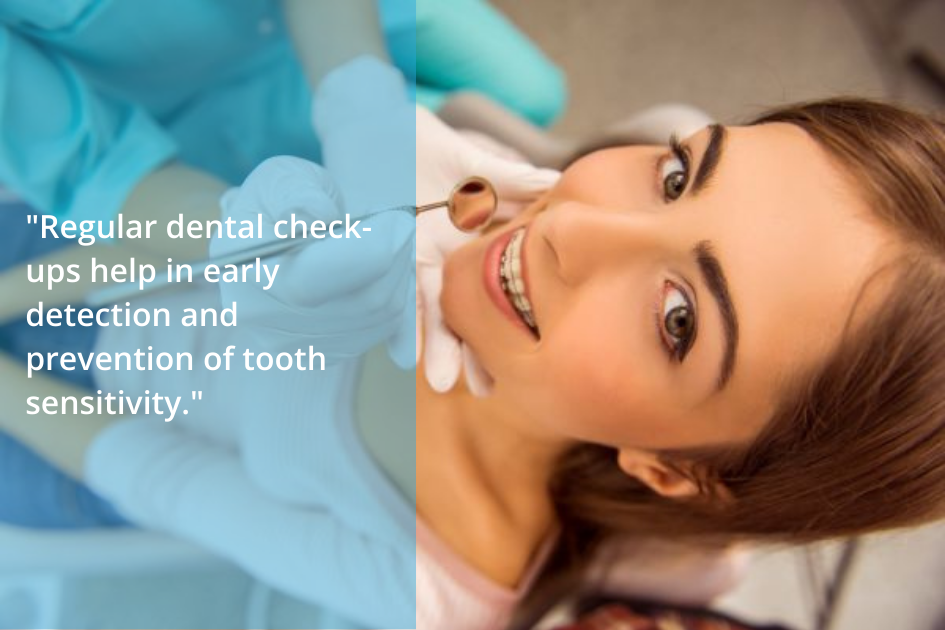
point(798, 246)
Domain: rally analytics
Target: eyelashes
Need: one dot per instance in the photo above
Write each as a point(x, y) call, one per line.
point(680, 151)
point(676, 319)
point(673, 170)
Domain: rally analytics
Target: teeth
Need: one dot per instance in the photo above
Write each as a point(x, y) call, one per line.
point(510, 273)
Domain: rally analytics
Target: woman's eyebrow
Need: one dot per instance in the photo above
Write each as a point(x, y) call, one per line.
point(710, 158)
point(714, 278)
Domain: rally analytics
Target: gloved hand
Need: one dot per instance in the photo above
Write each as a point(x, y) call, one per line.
point(342, 296)
point(363, 116)
point(444, 157)
point(369, 129)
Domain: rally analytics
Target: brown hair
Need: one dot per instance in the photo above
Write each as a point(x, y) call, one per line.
point(856, 446)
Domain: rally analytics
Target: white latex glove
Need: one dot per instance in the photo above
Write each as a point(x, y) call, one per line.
point(342, 296)
point(368, 127)
point(444, 157)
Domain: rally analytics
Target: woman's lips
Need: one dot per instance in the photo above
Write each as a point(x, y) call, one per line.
point(493, 282)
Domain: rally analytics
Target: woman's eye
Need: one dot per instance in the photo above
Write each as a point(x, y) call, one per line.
point(679, 322)
point(675, 172)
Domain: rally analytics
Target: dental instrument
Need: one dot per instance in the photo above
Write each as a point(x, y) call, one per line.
point(471, 206)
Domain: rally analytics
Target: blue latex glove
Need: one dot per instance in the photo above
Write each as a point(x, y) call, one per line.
point(342, 296)
point(364, 118)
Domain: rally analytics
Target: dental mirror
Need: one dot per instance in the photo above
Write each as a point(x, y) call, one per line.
point(471, 205)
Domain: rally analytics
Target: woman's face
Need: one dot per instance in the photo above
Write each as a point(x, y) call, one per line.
point(672, 293)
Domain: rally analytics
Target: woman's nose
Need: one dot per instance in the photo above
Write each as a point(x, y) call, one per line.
point(586, 239)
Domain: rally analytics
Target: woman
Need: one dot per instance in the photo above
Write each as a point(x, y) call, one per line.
point(708, 343)
point(736, 338)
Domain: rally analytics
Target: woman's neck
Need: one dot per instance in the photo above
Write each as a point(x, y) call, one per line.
point(482, 480)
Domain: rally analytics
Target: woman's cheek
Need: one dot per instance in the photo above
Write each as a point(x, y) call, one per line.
point(588, 376)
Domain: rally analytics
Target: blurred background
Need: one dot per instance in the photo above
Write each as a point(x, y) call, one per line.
point(734, 59)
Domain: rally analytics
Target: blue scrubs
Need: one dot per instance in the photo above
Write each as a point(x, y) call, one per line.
point(95, 94)
point(34, 493)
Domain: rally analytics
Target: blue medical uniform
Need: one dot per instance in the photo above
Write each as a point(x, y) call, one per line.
point(95, 94)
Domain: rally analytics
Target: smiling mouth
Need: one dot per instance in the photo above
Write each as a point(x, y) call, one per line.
point(513, 280)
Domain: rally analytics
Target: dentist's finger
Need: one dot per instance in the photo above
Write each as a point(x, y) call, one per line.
point(335, 268)
point(442, 354)
point(419, 322)
point(516, 181)
point(283, 185)
point(437, 236)
point(477, 379)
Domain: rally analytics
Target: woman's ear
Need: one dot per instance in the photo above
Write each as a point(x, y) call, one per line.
point(651, 471)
